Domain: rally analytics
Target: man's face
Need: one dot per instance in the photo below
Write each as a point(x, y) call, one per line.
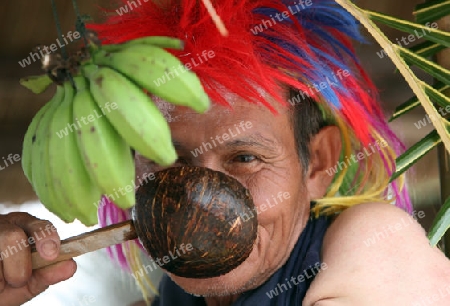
point(257, 148)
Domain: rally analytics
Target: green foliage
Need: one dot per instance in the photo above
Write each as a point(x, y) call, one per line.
point(431, 10)
point(426, 95)
point(416, 152)
point(37, 84)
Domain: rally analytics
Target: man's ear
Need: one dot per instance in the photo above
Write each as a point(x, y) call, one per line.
point(325, 148)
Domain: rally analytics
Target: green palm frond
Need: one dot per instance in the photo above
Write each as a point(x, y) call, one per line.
point(431, 10)
point(426, 95)
point(427, 48)
point(420, 31)
point(412, 103)
point(440, 224)
point(416, 152)
point(433, 69)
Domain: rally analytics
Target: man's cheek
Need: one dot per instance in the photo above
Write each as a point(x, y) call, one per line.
point(272, 207)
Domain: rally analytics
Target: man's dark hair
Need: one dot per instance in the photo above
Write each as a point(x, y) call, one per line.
point(307, 120)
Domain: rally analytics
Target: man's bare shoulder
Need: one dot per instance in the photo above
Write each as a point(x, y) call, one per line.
point(376, 254)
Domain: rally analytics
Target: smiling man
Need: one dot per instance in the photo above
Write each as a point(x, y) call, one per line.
point(311, 248)
point(312, 109)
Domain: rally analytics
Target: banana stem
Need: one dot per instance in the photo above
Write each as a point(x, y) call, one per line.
point(80, 26)
point(58, 28)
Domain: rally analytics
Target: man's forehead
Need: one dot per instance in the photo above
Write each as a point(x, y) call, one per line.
point(234, 101)
point(165, 108)
point(169, 110)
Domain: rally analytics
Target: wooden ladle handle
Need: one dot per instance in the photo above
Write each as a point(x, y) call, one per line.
point(88, 242)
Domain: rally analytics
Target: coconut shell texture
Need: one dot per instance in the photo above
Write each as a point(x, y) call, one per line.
point(201, 209)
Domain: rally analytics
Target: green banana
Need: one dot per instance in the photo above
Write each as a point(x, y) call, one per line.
point(55, 203)
point(106, 155)
point(41, 179)
point(28, 139)
point(136, 119)
point(76, 191)
point(157, 41)
point(156, 70)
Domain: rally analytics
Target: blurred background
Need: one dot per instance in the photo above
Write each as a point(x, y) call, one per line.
point(25, 24)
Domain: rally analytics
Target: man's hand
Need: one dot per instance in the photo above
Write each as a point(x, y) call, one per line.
point(18, 282)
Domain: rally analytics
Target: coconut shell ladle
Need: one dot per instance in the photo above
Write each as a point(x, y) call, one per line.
point(194, 209)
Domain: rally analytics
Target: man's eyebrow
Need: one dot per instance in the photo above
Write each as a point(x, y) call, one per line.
point(254, 140)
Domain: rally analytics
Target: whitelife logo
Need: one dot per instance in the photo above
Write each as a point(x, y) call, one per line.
point(11, 158)
point(130, 5)
point(205, 56)
point(125, 189)
point(24, 243)
point(248, 214)
point(53, 47)
point(207, 145)
point(71, 127)
point(405, 41)
point(356, 158)
point(295, 281)
point(293, 9)
point(160, 262)
point(423, 123)
point(393, 228)
point(316, 88)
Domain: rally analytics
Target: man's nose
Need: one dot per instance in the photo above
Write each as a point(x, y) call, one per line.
point(208, 162)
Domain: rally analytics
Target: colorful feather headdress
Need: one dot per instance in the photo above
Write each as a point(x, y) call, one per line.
point(304, 44)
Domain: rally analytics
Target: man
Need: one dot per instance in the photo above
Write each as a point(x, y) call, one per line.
point(333, 141)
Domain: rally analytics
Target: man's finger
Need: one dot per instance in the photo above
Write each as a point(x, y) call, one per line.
point(51, 275)
point(38, 283)
point(42, 233)
point(16, 257)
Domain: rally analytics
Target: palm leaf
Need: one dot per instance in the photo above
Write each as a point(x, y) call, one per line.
point(440, 224)
point(414, 101)
point(416, 29)
point(417, 151)
point(437, 96)
point(402, 58)
point(436, 71)
point(431, 10)
point(427, 48)
point(393, 51)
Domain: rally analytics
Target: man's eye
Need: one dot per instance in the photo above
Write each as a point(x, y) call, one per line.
point(244, 158)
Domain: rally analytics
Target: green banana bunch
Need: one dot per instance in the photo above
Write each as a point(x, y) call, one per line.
point(71, 170)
